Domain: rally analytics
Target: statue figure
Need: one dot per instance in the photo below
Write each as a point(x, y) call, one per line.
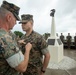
point(52, 12)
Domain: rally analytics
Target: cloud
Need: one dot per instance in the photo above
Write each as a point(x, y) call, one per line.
point(65, 7)
point(65, 15)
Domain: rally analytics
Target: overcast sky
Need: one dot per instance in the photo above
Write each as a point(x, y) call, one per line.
point(65, 16)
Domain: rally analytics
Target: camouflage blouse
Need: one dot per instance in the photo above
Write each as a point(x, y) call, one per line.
point(35, 60)
point(8, 47)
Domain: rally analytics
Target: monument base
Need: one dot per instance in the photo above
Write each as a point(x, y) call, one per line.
point(56, 53)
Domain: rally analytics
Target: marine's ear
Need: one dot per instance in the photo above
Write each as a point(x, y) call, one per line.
point(8, 17)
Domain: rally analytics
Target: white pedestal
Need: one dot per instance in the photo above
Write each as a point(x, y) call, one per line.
point(55, 47)
point(56, 53)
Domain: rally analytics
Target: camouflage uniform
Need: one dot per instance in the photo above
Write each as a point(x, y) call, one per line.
point(35, 61)
point(62, 38)
point(69, 41)
point(12, 8)
point(8, 47)
point(75, 41)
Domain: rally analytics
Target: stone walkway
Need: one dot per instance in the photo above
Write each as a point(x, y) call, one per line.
point(57, 72)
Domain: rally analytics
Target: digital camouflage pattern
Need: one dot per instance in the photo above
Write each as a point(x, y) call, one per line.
point(35, 59)
point(62, 38)
point(69, 38)
point(8, 47)
point(26, 17)
point(12, 8)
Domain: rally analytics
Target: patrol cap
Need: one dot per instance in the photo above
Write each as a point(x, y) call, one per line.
point(12, 8)
point(25, 18)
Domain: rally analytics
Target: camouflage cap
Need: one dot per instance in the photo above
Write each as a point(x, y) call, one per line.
point(12, 8)
point(26, 18)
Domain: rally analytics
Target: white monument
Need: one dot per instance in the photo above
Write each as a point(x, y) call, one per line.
point(55, 45)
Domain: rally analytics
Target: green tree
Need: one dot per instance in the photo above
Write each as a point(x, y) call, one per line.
point(18, 33)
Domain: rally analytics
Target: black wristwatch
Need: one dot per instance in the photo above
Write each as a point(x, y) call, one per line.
point(42, 70)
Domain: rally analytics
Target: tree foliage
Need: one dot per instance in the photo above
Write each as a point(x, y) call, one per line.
point(18, 33)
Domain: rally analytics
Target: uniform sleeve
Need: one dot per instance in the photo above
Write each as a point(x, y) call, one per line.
point(15, 60)
point(11, 51)
point(44, 51)
point(43, 46)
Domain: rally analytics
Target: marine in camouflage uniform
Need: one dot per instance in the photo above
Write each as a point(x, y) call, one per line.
point(12, 61)
point(8, 46)
point(39, 48)
point(69, 39)
point(62, 38)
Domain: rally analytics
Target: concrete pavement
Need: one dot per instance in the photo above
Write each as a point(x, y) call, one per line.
point(70, 69)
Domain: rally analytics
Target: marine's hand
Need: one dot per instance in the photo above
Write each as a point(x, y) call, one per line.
point(21, 42)
point(28, 46)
